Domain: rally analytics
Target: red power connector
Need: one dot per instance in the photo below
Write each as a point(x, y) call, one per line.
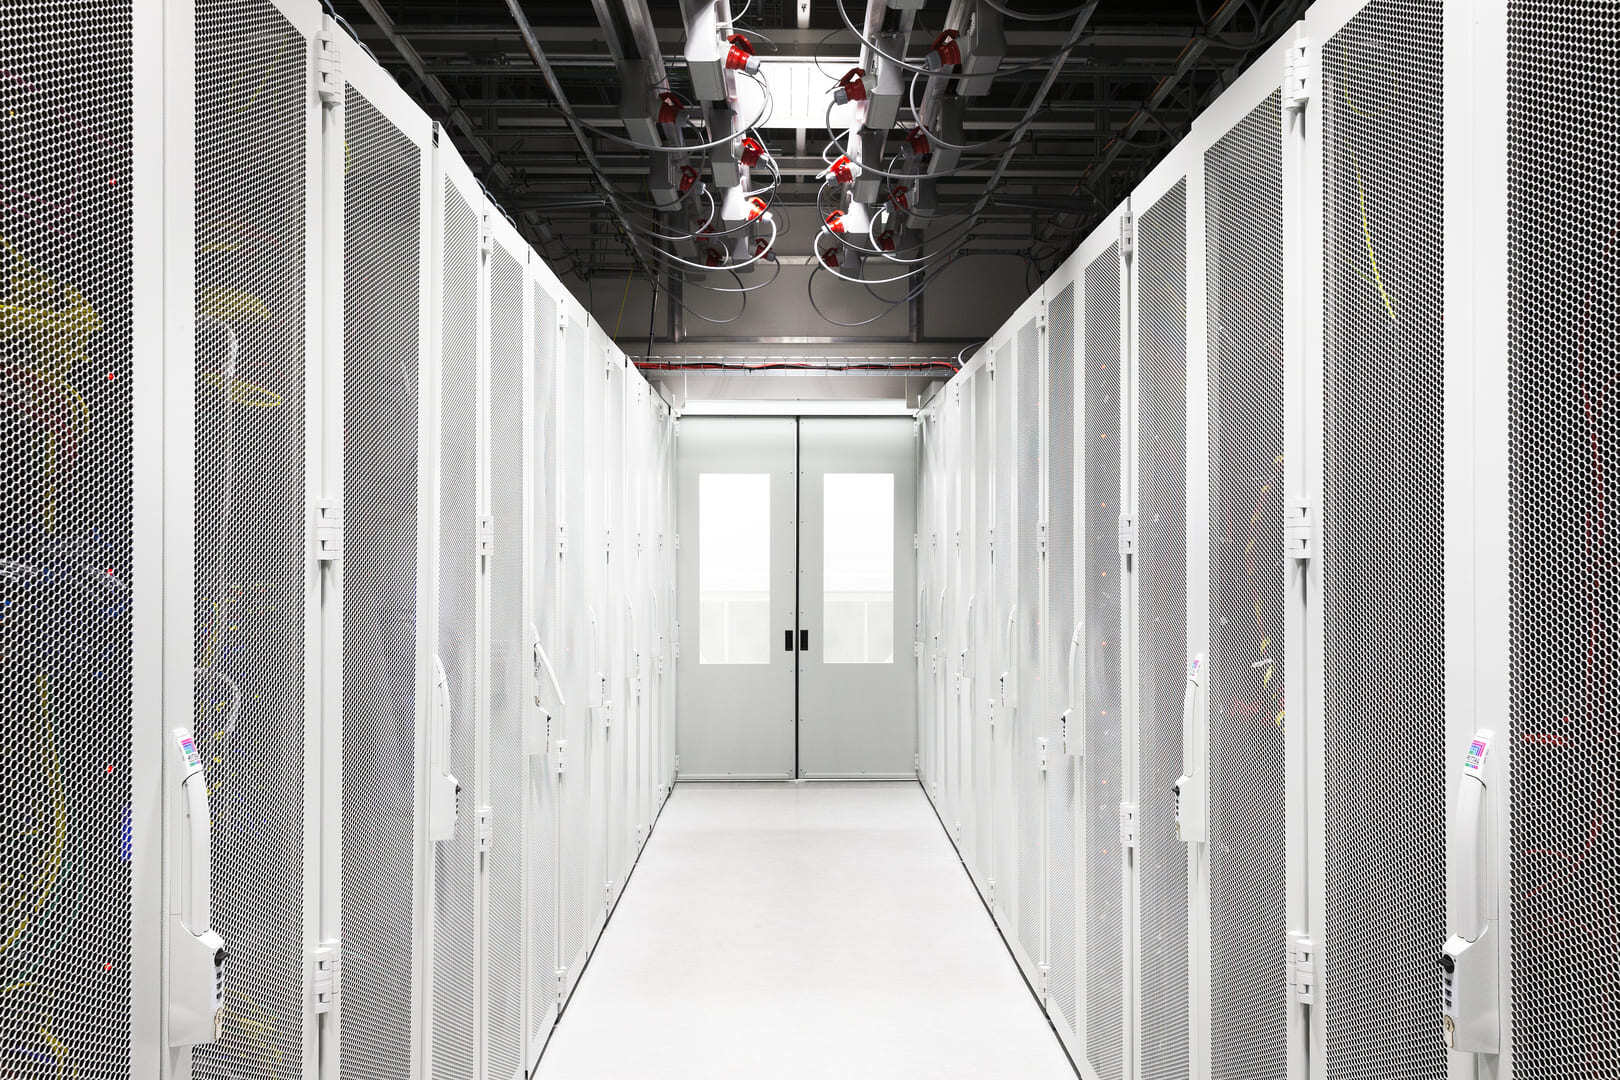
point(713, 256)
point(898, 196)
point(830, 257)
point(669, 108)
point(689, 177)
point(917, 144)
point(740, 57)
point(843, 170)
point(945, 53)
point(835, 222)
point(757, 207)
point(850, 87)
point(762, 248)
point(886, 240)
point(750, 151)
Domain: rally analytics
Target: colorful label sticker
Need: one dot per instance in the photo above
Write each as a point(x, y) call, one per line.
point(188, 750)
point(1476, 754)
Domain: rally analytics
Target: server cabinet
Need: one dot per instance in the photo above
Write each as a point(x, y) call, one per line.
point(1103, 745)
point(1156, 543)
point(541, 744)
point(573, 765)
point(964, 544)
point(84, 401)
point(383, 427)
point(1003, 870)
point(255, 466)
point(1371, 612)
point(508, 651)
point(1233, 805)
point(600, 615)
point(1064, 633)
point(1530, 959)
point(982, 860)
point(455, 737)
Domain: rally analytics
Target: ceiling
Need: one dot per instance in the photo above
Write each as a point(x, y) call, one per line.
point(1136, 75)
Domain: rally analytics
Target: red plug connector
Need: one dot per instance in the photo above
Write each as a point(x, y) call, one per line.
point(850, 87)
point(740, 57)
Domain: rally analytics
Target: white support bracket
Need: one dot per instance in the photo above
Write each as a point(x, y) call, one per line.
point(486, 828)
point(1301, 969)
point(328, 67)
point(1299, 530)
point(1127, 826)
point(1299, 76)
point(329, 530)
point(326, 975)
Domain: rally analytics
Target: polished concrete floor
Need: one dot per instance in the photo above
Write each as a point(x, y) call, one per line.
point(801, 930)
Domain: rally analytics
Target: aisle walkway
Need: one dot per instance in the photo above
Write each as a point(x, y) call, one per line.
point(801, 930)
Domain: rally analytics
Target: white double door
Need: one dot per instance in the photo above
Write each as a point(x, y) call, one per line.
point(796, 575)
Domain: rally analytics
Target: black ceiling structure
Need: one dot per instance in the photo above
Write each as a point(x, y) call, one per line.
point(1134, 78)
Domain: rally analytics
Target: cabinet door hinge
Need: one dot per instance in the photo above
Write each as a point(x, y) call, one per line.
point(328, 66)
point(1127, 825)
point(1043, 978)
point(1301, 969)
point(486, 237)
point(1040, 753)
point(1127, 534)
point(486, 535)
point(326, 975)
point(1299, 77)
point(561, 756)
point(1040, 533)
point(329, 530)
point(1299, 530)
point(486, 828)
point(1127, 235)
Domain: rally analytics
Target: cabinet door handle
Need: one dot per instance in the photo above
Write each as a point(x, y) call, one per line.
point(804, 641)
point(787, 640)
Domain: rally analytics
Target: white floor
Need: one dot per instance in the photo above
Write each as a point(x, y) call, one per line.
point(801, 930)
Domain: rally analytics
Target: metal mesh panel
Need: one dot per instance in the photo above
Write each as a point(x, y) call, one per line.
point(1030, 796)
point(1247, 782)
point(1564, 340)
point(65, 519)
point(251, 85)
point(1062, 614)
point(542, 824)
point(1005, 823)
point(610, 599)
point(455, 860)
point(1161, 507)
point(509, 668)
point(1104, 954)
point(382, 235)
point(984, 621)
point(1383, 531)
point(574, 791)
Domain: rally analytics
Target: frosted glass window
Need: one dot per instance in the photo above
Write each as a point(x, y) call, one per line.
point(734, 568)
point(857, 601)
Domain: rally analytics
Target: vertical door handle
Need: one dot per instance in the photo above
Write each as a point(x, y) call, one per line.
point(787, 640)
point(804, 641)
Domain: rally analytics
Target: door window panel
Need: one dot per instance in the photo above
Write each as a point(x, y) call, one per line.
point(734, 568)
point(858, 568)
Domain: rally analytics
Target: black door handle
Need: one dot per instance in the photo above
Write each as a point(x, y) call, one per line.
point(804, 641)
point(787, 640)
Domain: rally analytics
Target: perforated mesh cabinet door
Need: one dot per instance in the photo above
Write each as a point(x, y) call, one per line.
point(610, 606)
point(984, 625)
point(1104, 918)
point(1382, 533)
point(1061, 620)
point(594, 765)
point(541, 829)
point(1005, 872)
point(455, 860)
point(966, 543)
point(574, 778)
point(66, 496)
point(510, 667)
point(382, 368)
point(1247, 781)
point(252, 557)
point(1563, 343)
point(1161, 675)
point(1030, 794)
